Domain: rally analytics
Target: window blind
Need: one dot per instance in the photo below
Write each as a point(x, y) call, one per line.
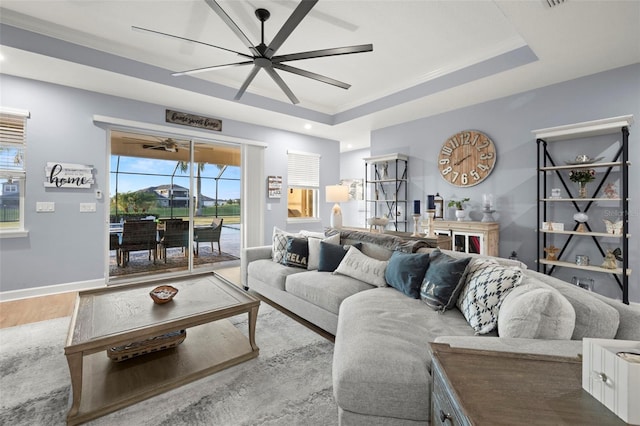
point(303, 169)
point(13, 138)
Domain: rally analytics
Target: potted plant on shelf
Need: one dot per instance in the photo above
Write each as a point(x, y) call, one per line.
point(459, 205)
point(583, 177)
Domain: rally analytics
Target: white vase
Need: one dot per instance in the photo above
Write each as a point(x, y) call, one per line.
point(460, 214)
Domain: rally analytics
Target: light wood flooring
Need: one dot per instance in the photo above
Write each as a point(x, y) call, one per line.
point(34, 309)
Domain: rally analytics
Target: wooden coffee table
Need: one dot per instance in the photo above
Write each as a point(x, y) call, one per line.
point(120, 315)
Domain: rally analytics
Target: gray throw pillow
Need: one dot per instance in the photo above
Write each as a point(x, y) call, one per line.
point(314, 248)
point(536, 311)
point(405, 272)
point(443, 281)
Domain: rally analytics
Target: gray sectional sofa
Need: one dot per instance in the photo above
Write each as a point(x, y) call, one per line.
point(382, 363)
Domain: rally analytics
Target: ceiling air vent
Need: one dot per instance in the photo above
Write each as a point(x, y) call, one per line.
point(553, 3)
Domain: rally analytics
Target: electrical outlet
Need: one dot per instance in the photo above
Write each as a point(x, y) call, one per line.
point(87, 207)
point(45, 206)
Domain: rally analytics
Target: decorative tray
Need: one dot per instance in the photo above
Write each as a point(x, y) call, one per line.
point(154, 344)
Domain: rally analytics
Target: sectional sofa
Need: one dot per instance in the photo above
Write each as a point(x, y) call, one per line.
point(384, 310)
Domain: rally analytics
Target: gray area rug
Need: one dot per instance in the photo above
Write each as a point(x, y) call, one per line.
point(288, 384)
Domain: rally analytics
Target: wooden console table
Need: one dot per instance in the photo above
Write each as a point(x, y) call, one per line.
point(476, 387)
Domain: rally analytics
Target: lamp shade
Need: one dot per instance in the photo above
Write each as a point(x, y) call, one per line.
point(337, 193)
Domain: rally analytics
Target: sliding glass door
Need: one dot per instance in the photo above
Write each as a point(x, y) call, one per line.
point(174, 205)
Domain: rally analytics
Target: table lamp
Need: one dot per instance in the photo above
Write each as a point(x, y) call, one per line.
point(336, 194)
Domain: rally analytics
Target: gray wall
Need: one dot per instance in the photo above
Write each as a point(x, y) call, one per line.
point(68, 246)
point(509, 121)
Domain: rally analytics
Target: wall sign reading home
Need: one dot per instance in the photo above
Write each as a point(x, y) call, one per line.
point(66, 175)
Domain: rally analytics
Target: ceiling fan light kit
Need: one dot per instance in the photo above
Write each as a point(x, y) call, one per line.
point(263, 56)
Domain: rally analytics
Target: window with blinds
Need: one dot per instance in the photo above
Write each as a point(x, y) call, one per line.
point(303, 180)
point(13, 142)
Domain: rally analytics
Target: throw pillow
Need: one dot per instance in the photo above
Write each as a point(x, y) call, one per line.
point(534, 311)
point(405, 272)
point(279, 243)
point(443, 281)
point(486, 286)
point(297, 253)
point(314, 249)
point(362, 267)
point(332, 254)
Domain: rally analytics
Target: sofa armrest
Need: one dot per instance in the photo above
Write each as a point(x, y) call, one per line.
point(250, 254)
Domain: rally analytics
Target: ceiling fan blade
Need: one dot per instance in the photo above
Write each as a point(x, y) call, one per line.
point(187, 39)
point(312, 75)
point(324, 52)
point(214, 67)
point(247, 82)
point(232, 25)
point(280, 82)
point(296, 17)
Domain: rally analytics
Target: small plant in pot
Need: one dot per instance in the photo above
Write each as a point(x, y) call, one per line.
point(459, 205)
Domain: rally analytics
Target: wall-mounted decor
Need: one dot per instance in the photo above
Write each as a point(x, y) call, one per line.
point(274, 186)
point(193, 120)
point(356, 188)
point(66, 175)
point(467, 158)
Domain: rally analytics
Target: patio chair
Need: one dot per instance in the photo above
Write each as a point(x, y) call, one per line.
point(176, 234)
point(209, 234)
point(138, 235)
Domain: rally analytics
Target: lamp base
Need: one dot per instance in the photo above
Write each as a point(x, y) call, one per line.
point(336, 217)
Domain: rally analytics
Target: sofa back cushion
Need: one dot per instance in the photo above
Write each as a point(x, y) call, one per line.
point(534, 310)
point(594, 317)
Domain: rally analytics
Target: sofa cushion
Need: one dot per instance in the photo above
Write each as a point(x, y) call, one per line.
point(444, 280)
point(297, 253)
point(536, 311)
point(486, 286)
point(594, 317)
point(271, 273)
point(362, 267)
point(461, 255)
point(324, 289)
point(314, 249)
point(405, 272)
point(381, 357)
point(331, 255)
point(279, 239)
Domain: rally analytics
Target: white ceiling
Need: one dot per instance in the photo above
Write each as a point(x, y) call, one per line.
point(449, 54)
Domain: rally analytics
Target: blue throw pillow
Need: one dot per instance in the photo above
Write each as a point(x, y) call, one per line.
point(332, 254)
point(405, 272)
point(297, 252)
point(443, 281)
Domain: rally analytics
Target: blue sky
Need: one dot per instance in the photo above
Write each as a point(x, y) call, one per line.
point(126, 182)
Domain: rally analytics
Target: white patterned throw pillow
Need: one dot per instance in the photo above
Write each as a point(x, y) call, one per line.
point(357, 265)
point(279, 248)
point(487, 284)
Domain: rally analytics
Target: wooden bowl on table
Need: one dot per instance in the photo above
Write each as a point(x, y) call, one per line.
point(163, 294)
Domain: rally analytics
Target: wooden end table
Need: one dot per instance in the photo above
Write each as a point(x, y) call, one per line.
point(120, 315)
point(476, 387)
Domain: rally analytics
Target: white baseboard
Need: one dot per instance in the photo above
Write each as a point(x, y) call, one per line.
point(51, 289)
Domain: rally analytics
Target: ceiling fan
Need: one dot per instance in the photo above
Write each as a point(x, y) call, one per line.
point(168, 144)
point(263, 56)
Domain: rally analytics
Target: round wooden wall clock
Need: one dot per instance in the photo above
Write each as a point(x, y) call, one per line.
point(467, 158)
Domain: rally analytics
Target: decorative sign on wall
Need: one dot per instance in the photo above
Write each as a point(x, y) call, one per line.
point(193, 120)
point(274, 186)
point(66, 175)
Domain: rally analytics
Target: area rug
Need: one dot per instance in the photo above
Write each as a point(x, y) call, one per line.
point(139, 261)
point(288, 384)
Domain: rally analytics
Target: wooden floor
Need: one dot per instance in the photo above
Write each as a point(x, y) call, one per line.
point(34, 309)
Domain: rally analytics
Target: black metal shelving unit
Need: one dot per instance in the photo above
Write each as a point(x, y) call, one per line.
point(547, 165)
point(386, 194)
